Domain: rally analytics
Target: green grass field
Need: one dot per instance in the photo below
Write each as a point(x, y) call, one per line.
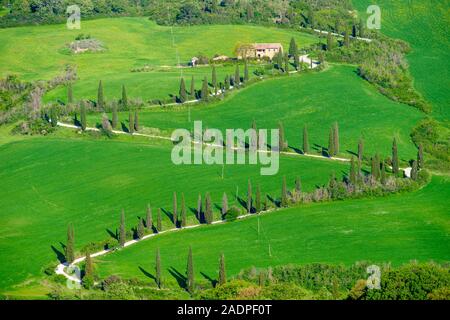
point(52, 182)
point(314, 99)
point(424, 24)
point(394, 229)
point(130, 42)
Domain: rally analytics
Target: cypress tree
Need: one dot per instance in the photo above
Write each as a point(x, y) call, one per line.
point(205, 92)
point(190, 285)
point(183, 95)
point(227, 82)
point(53, 117)
point(70, 250)
point(284, 194)
point(237, 76)
point(249, 197)
point(224, 204)
point(88, 266)
point(199, 208)
point(193, 95)
point(83, 116)
point(222, 272)
point(305, 140)
point(100, 96)
point(298, 185)
point(69, 93)
point(376, 167)
point(246, 74)
point(122, 232)
point(360, 149)
point(336, 138)
point(258, 200)
point(214, 77)
point(208, 209)
point(383, 173)
point(279, 60)
point(292, 48)
point(395, 166)
point(282, 145)
point(346, 39)
point(361, 28)
point(136, 120)
point(354, 33)
point(331, 150)
point(414, 171)
point(130, 123)
point(352, 172)
point(124, 99)
point(183, 212)
point(158, 269)
point(149, 218)
point(115, 117)
point(140, 230)
point(159, 221)
point(420, 161)
point(329, 42)
point(286, 63)
point(175, 210)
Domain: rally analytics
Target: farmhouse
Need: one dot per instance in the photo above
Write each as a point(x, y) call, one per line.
point(260, 50)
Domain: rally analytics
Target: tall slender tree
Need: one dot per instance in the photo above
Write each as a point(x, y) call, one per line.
point(190, 281)
point(224, 204)
point(331, 150)
point(420, 161)
point(100, 96)
point(282, 145)
point(414, 170)
point(88, 266)
point(192, 91)
point(237, 76)
point(182, 93)
point(346, 39)
point(336, 138)
point(227, 82)
point(222, 271)
point(329, 42)
point(305, 140)
point(124, 100)
point(175, 210)
point(383, 173)
point(352, 172)
point(130, 122)
point(292, 47)
point(208, 209)
point(70, 250)
point(205, 90)
point(115, 116)
point(83, 116)
point(258, 207)
point(298, 185)
point(136, 120)
point(286, 63)
point(159, 221)
point(140, 230)
point(214, 78)
point(360, 149)
point(249, 197)
point(158, 269)
point(183, 211)
point(122, 231)
point(395, 165)
point(149, 218)
point(284, 194)
point(246, 74)
point(69, 93)
point(361, 28)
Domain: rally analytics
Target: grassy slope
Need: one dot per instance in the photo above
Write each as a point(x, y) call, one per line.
point(395, 229)
point(131, 42)
point(424, 24)
point(317, 100)
point(51, 182)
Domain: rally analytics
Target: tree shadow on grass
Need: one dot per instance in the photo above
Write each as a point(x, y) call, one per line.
point(352, 153)
point(113, 234)
point(124, 127)
point(181, 279)
point(59, 254)
point(211, 280)
point(296, 150)
point(147, 274)
point(168, 214)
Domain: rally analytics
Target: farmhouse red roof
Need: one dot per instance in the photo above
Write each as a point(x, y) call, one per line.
point(261, 46)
